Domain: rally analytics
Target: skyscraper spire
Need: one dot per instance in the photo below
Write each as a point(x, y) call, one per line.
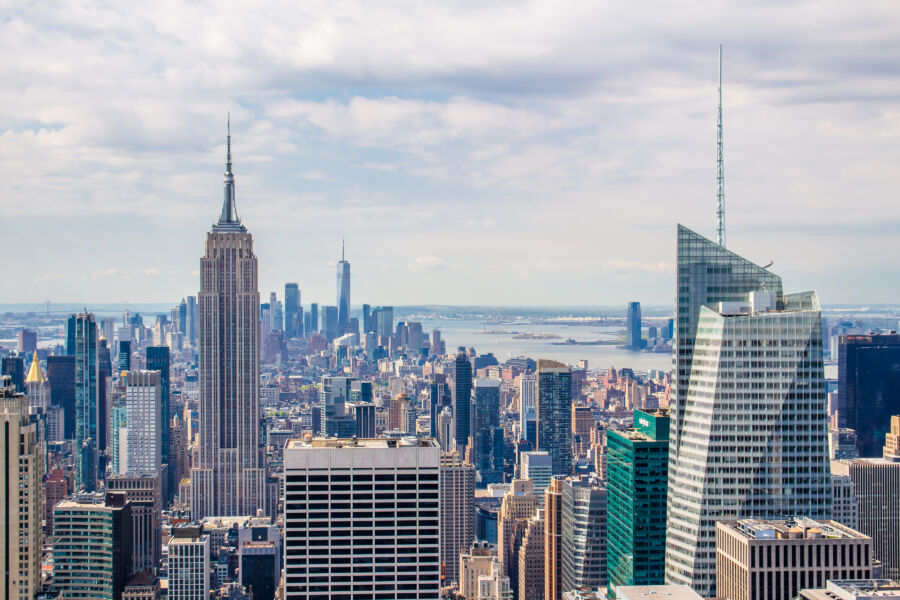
point(228, 219)
point(342, 248)
point(720, 167)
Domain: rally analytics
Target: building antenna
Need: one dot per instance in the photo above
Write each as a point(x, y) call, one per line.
point(720, 168)
point(342, 249)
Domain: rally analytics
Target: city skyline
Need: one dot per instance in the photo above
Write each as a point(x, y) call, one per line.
point(470, 159)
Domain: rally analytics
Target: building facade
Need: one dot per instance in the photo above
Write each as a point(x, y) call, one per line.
point(457, 511)
point(189, 551)
point(81, 343)
point(583, 550)
point(143, 403)
point(462, 400)
point(554, 413)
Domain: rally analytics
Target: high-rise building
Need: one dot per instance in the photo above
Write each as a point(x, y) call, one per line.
point(531, 559)
point(494, 585)
point(143, 494)
point(528, 407)
point(276, 313)
point(61, 374)
point(329, 323)
point(26, 341)
point(708, 274)
point(91, 546)
point(37, 388)
point(553, 534)
point(343, 293)
point(769, 408)
point(336, 522)
point(891, 448)
point(457, 511)
point(124, 357)
point(158, 360)
point(333, 395)
point(637, 476)
point(228, 478)
point(868, 388)
point(876, 483)
point(473, 563)
point(192, 320)
point(81, 343)
point(14, 368)
point(633, 326)
point(487, 435)
point(21, 476)
point(538, 467)
point(143, 399)
point(776, 559)
point(517, 507)
point(462, 399)
point(583, 545)
point(438, 391)
point(189, 550)
point(554, 408)
point(293, 323)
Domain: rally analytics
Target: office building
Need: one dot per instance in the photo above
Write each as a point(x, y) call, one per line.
point(462, 399)
point(553, 536)
point(446, 431)
point(144, 495)
point(293, 323)
point(876, 483)
point(343, 293)
point(868, 388)
point(637, 476)
point(81, 343)
point(531, 559)
point(765, 560)
point(334, 392)
point(487, 435)
point(528, 408)
point(158, 360)
point(21, 476)
point(494, 585)
point(61, 375)
point(554, 408)
point(842, 443)
point(538, 467)
point(91, 547)
point(345, 539)
point(438, 397)
point(854, 589)
point(228, 477)
point(124, 357)
point(712, 477)
point(14, 368)
point(37, 388)
point(669, 592)
point(891, 448)
point(143, 402)
point(844, 507)
point(276, 313)
point(329, 323)
point(189, 551)
point(633, 337)
point(259, 554)
point(519, 504)
point(26, 341)
point(457, 511)
point(583, 546)
point(474, 562)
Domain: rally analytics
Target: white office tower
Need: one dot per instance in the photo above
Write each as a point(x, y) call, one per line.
point(142, 417)
point(753, 437)
point(362, 519)
point(527, 403)
point(189, 550)
point(538, 467)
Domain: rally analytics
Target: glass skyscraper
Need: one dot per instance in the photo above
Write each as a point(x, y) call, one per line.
point(583, 546)
point(637, 475)
point(293, 320)
point(487, 434)
point(158, 360)
point(554, 413)
point(633, 326)
point(462, 399)
point(749, 426)
point(81, 343)
point(343, 294)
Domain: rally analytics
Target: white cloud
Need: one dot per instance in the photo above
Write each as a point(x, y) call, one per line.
point(152, 272)
point(429, 263)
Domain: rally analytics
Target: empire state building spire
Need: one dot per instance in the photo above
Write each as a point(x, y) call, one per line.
point(228, 220)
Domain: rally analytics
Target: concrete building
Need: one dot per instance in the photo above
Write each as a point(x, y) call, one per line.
point(553, 534)
point(531, 559)
point(143, 397)
point(21, 476)
point(774, 560)
point(855, 589)
point(144, 495)
point(457, 511)
point(528, 408)
point(892, 439)
point(845, 507)
point(583, 550)
point(346, 500)
point(189, 552)
point(494, 585)
point(538, 467)
point(876, 483)
point(517, 507)
point(473, 564)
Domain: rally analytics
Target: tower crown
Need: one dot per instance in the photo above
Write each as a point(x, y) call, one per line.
point(228, 220)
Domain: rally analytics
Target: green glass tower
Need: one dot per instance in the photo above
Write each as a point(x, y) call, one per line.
point(637, 473)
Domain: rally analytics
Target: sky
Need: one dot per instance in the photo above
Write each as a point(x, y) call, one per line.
point(492, 153)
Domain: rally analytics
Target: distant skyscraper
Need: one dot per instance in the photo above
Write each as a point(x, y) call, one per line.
point(144, 496)
point(158, 360)
point(462, 399)
point(487, 434)
point(531, 558)
point(61, 374)
point(292, 320)
point(143, 402)
point(26, 341)
point(538, 467)
point(277, 313)
point(14, 367)
point(583, 547)
point(715, 477)
point(343, 293)
point(82, 344)
point(528, 408)
point(189, 550)
point(313, 319)
point(633, 326)
point(517, 507)
point(554, 408)
point(21, 477)
point(329, 322)
point(36, 387)
point(228, 478)
point(402, 532)
point(192, 320)
point(868, 388)
point(457, 511)
point(553, 533)
point(637, 475)
point(124, 357)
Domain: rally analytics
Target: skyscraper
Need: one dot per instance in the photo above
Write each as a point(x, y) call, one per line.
point(21, 476)
point(143, 403)
point(517, 507)
point(81, 342)
point(462, 399)
point(487, 435)
point(528, 407)
point(61, 374)
point(457, 511)
point(329, 322)
point(189, 550)
point(14, 367)
point(343, 293)
point(158, 360)
point(293, 323)
point(868, 388)
point(554, 408)
point(553, 532)
point(754, 442)
point(633, 326)
point(37, 387)
point(583, 547)
point(637, 475)
point(228, 478)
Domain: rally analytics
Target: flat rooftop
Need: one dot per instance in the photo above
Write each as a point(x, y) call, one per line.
point(362, 443)
point(791, 529)
point(656, 592)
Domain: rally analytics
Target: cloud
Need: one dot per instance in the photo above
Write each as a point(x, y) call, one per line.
point(634, 266)
point(47, 277)
point(429, 263)
point(110, 272)
point(152, 272)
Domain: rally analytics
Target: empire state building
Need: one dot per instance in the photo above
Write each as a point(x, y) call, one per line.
point(228, 478)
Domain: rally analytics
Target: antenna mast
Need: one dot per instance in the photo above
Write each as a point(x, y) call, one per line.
point(720, 168)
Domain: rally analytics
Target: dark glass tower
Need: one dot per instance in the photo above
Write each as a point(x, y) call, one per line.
point(343, 294)
point(633, 326)
point(486, 456)
point(81, 343)
point(868, 388)
point(61, 375)
point(14, 366)
point(462, 398)
point(293, 323)
point(158, 360)
point(554, 410)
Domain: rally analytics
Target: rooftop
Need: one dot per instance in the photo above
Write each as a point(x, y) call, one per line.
point(791, 529)
point(361, 443)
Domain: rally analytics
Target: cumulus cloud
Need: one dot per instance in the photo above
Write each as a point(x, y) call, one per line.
point(429, 263)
